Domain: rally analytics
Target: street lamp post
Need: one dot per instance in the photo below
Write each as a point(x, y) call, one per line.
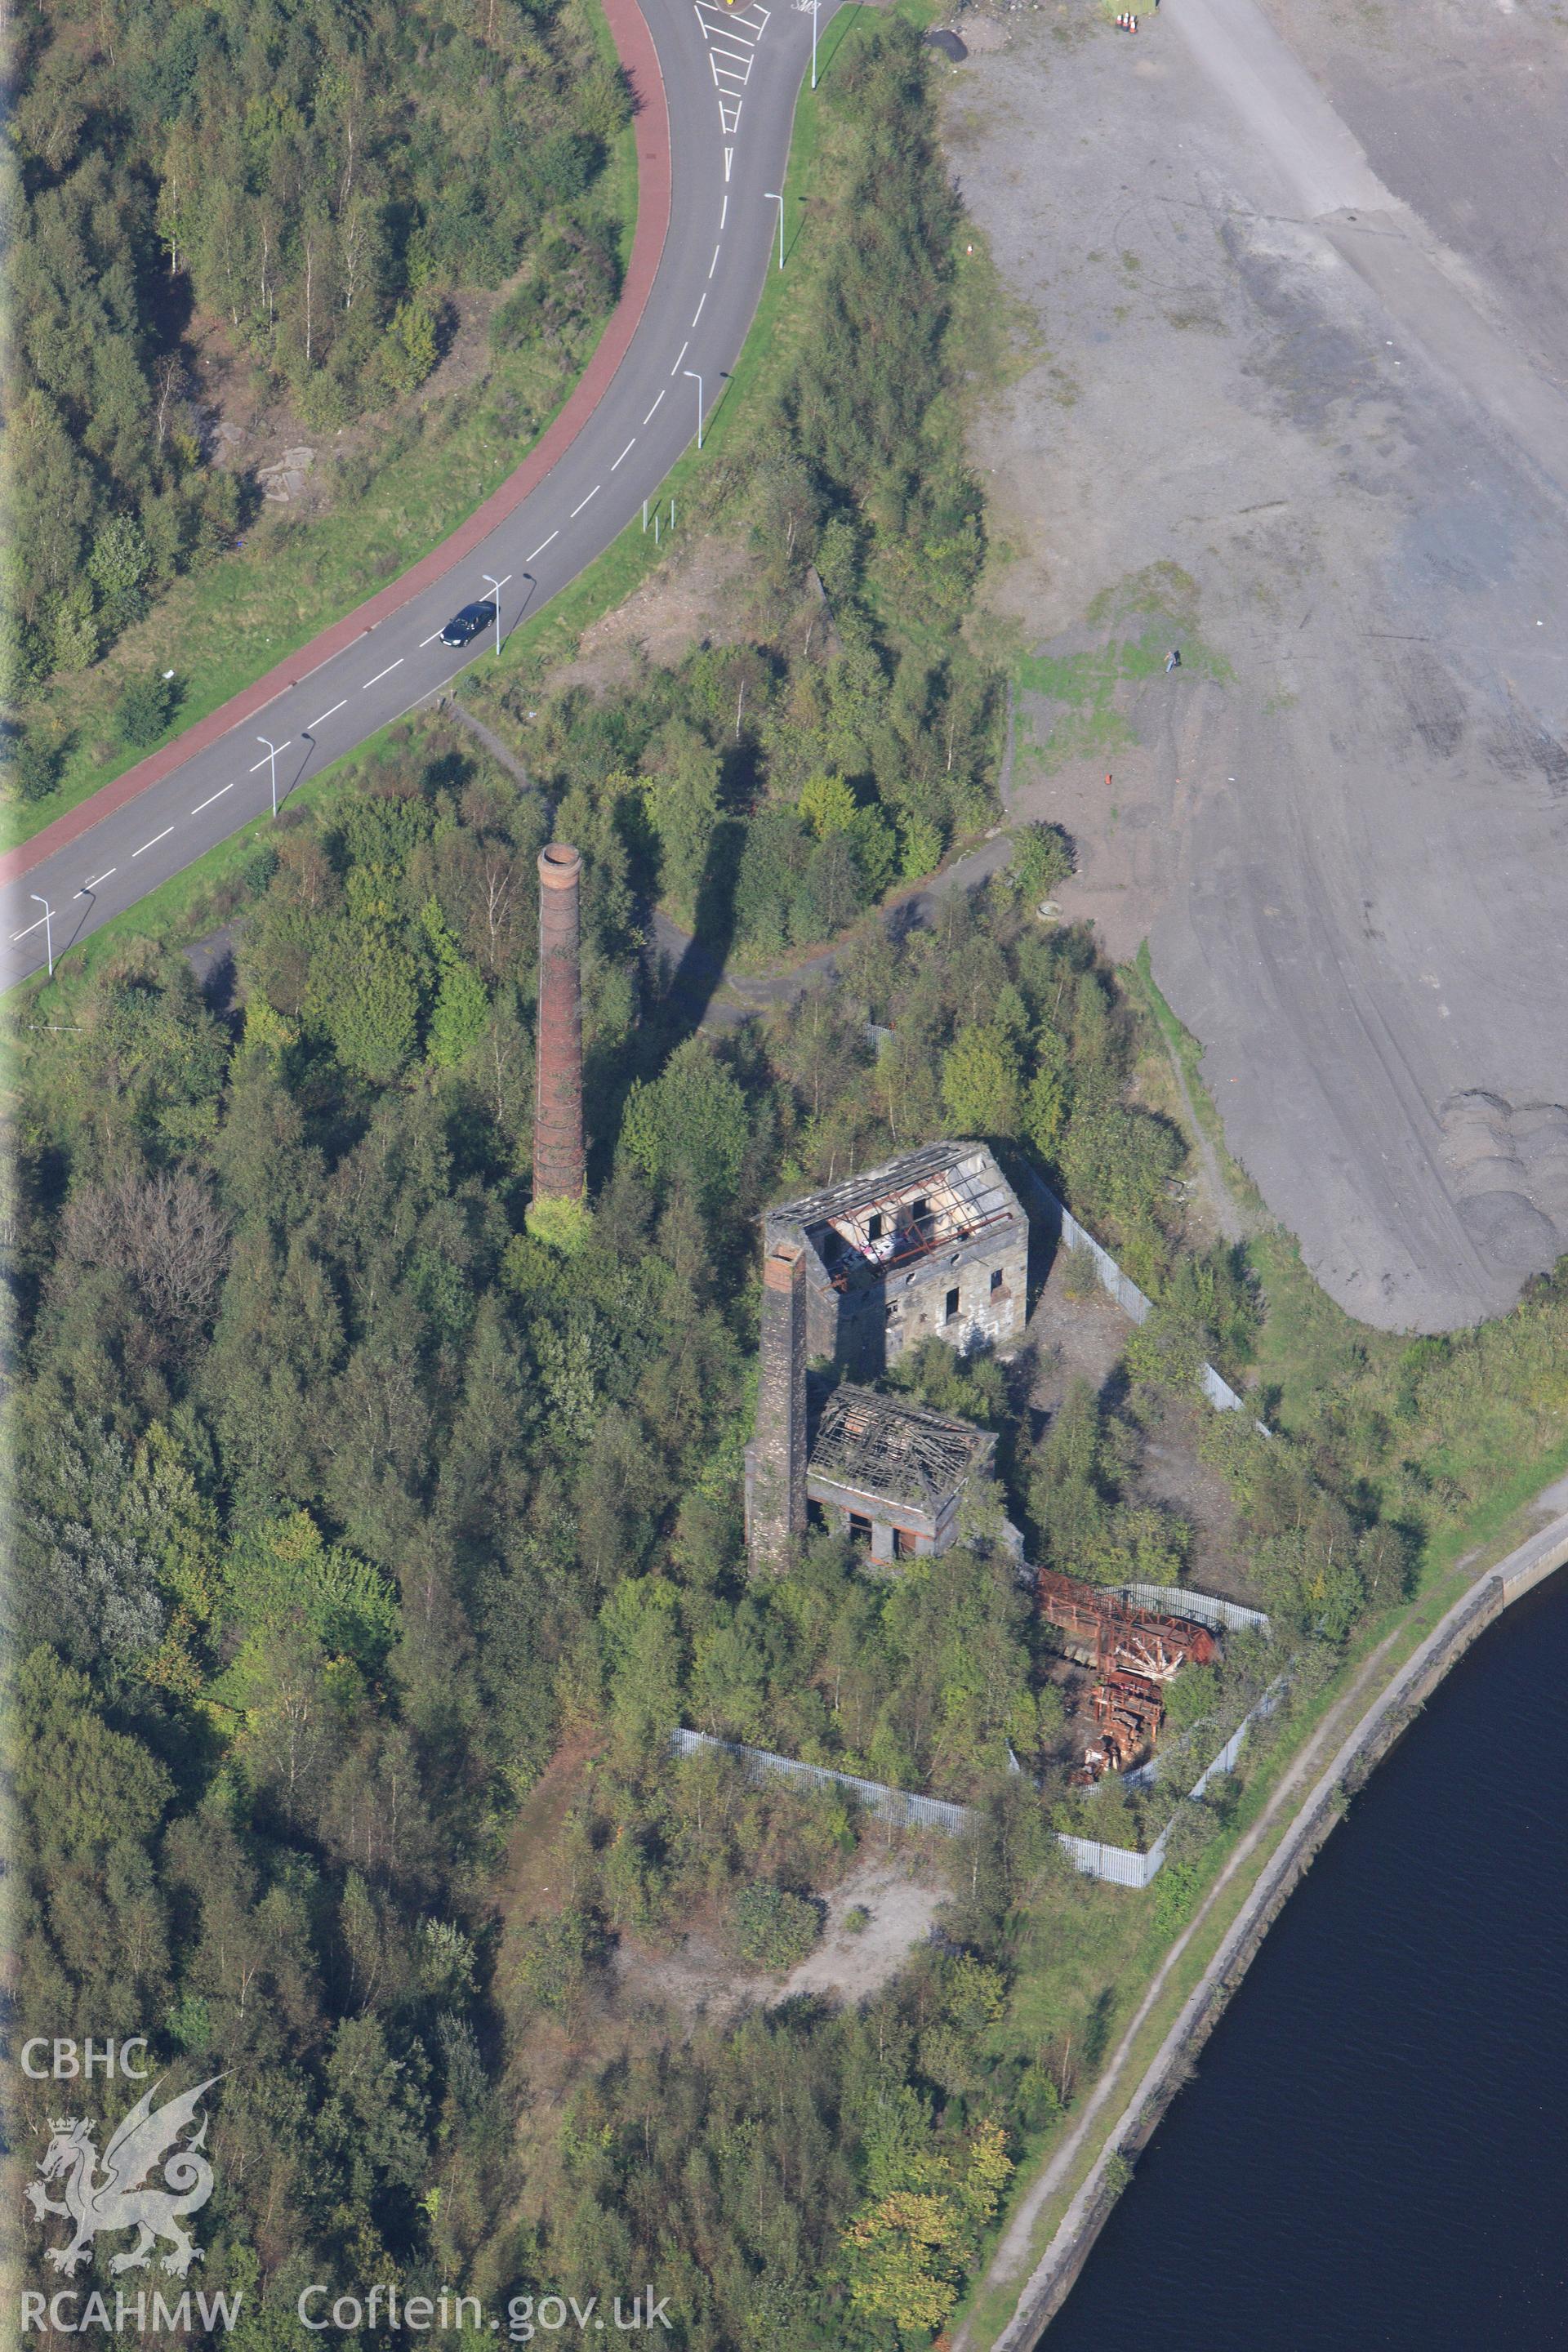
point(48, 930)
point(697, 380)
point(779, 201)
point(272, 765)
point(497, 585)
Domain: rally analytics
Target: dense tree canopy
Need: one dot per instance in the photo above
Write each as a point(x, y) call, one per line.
point(342, 1496)
point(349, 1508)
point(321, 179)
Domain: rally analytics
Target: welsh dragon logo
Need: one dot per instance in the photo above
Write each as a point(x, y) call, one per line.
point(116, 2197)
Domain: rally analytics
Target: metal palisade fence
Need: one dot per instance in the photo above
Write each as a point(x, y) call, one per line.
point(1120, 1865)
point(1134, 1302)
point(1178, 1600)
point(899, 1805)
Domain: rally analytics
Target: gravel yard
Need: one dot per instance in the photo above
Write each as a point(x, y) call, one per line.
point(1299, 322)
point(901, 1889)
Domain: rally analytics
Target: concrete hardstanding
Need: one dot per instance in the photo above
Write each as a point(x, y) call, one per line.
point(558, 1169)
point(1341, 837)
point(775, 1467)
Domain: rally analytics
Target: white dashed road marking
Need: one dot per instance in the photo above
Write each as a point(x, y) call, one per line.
point(648, 418)
point(429, 640)
point(725, 208)
point(587, 501)
point(381, 674)
point(336, 707)
point(698, 312)
point(262, 763)
point(30, 930)
point(627, 452)
point(680, 354)
point(215, 796)
point(544, 545)
point(713, 265)
point(157, 838)
point(96, 880)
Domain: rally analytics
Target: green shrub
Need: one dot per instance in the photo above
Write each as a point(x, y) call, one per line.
point(144, 709)
point(33, 763)
point(1042, 857)
point(771, 1928)
point(555, 1962)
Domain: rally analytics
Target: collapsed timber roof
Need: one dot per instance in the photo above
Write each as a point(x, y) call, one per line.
point(894, 1452)
point(925, 1201)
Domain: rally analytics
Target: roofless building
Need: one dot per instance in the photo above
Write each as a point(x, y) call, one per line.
point(935, 1241)
point(891, 1473)
point(932, 1244)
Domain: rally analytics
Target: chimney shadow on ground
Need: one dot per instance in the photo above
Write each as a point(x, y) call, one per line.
point(678, 993)
point(686, 996)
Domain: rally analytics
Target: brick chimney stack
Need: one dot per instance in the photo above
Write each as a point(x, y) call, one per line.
point(558, 1169)
point(776, 1480)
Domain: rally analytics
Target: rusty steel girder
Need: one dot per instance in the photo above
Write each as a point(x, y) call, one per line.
point(1120, 1635)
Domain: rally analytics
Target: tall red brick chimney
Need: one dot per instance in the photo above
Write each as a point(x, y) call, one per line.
point(558, 1170)
point(775, 1459)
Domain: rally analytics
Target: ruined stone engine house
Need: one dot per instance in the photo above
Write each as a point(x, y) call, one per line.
point(935, 1241)
point(932, 1244)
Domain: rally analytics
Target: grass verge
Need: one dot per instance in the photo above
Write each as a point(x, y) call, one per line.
point(539, 645)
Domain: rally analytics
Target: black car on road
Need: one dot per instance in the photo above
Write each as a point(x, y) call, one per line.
point(466, 625)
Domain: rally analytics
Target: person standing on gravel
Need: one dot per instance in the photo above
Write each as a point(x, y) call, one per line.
point(1173, 659)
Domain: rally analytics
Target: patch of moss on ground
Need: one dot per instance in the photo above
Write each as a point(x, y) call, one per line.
point(1082, 687)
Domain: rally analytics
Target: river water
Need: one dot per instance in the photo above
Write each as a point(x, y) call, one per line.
point(1373, 2156)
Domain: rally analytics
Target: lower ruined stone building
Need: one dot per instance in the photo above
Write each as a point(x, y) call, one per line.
point(936, 1242)
point(891, 1474)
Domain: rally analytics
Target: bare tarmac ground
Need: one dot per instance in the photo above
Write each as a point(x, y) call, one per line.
point(1298, 272)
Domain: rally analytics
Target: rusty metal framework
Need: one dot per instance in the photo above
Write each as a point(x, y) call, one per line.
point(1117, 1635)
point(893, 1451)
point(1135, 1652)
point(919, 1238)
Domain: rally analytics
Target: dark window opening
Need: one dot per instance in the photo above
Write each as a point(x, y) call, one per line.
point(953, 1306)
point(995, 1278)
point(816, 1516)
point(905, 1544)
point(873, 1228)
point(919, 1212)
point(859, 1527)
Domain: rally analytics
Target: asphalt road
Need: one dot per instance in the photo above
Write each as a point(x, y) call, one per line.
point(731, 77)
